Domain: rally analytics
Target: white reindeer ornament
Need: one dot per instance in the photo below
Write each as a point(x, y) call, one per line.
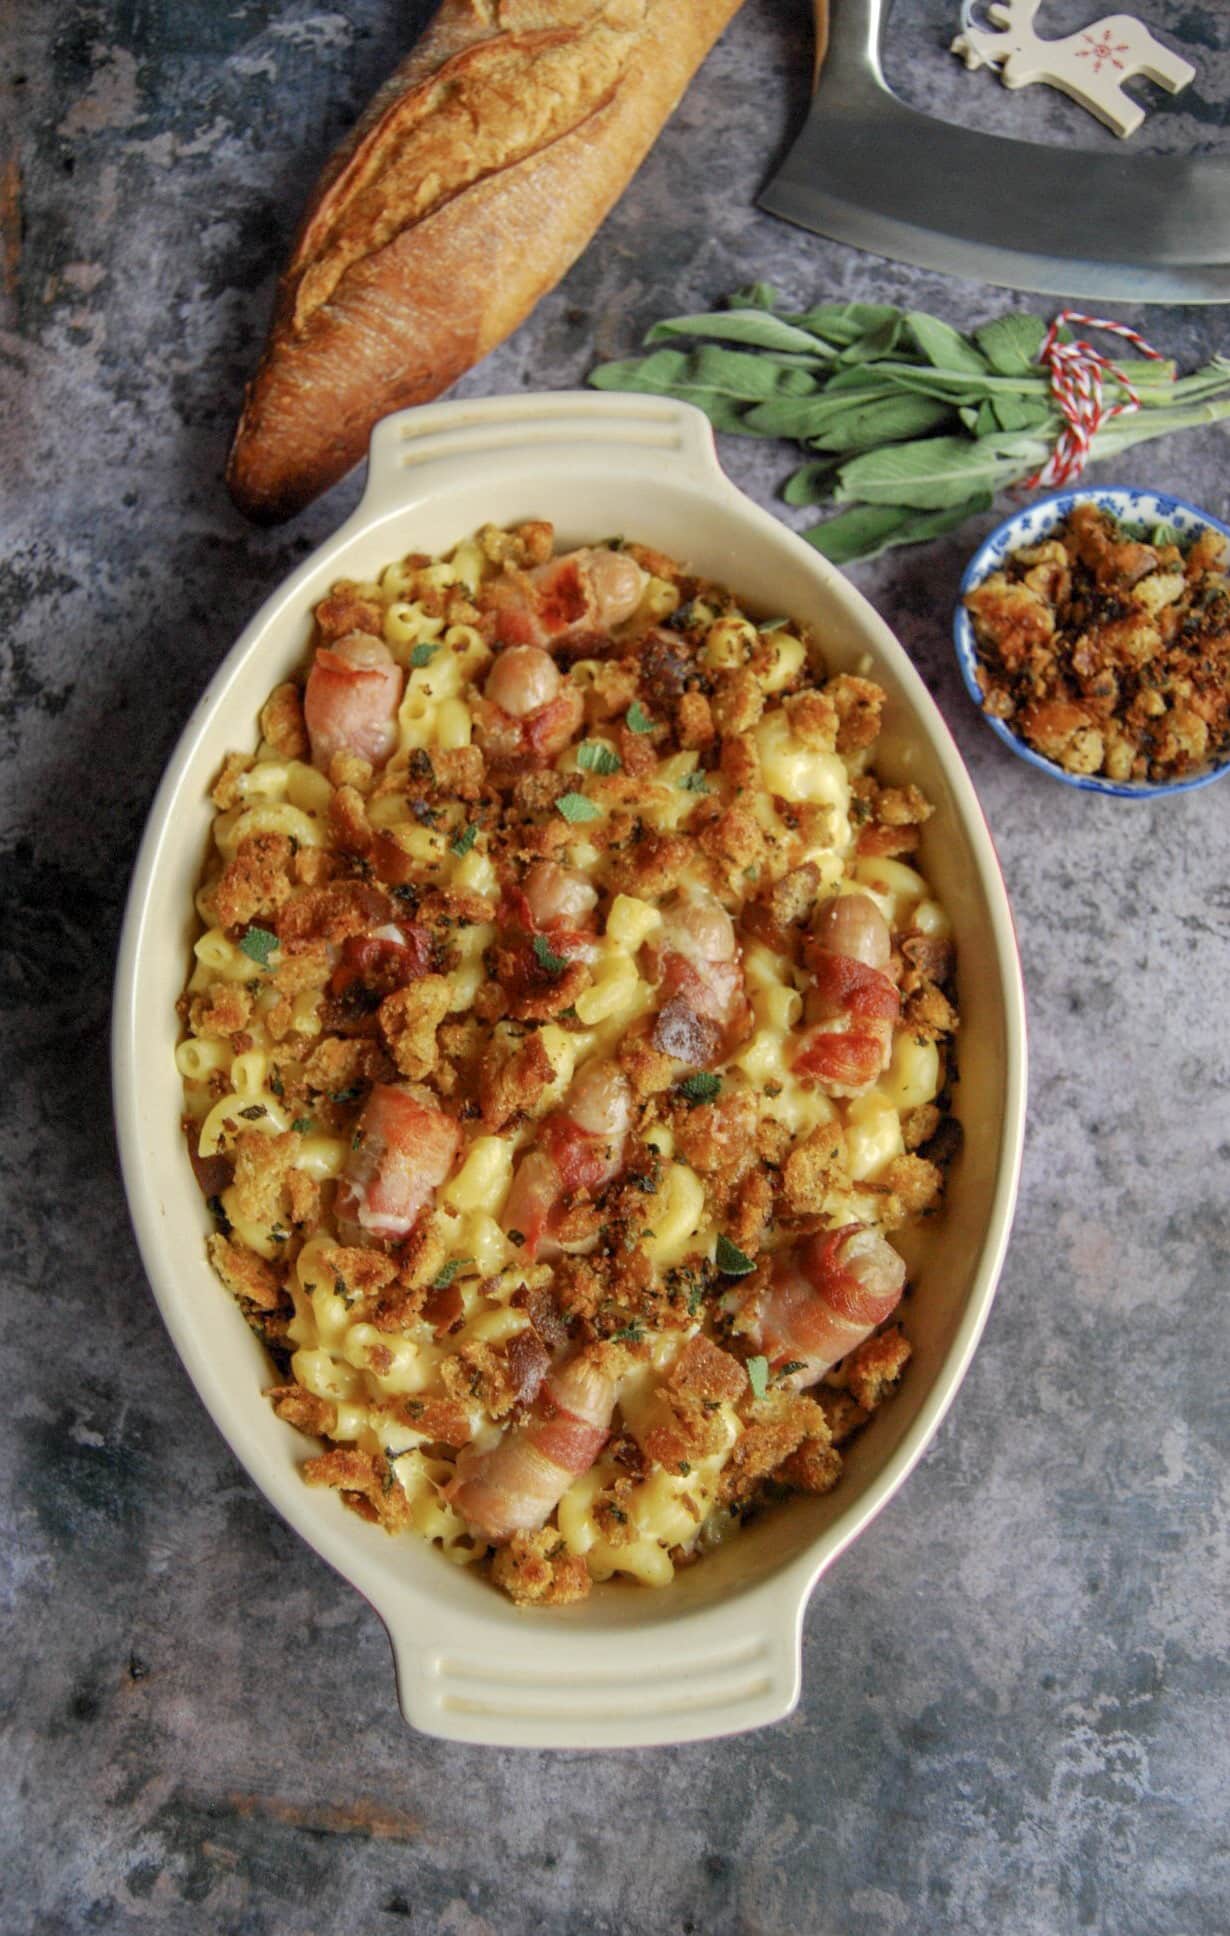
point(1091, 66)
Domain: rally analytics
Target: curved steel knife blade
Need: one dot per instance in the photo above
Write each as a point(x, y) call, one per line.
point(871, 171)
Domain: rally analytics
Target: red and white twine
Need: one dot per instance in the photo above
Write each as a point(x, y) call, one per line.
point(1078, 372)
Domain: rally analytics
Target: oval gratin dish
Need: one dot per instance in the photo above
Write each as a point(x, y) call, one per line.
point(718, 1651)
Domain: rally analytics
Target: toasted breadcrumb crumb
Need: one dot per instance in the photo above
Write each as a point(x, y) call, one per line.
point(257, 882)
point(246, 1276)
point(409, 1019)
point(282, 722)
point(537, 1570)
point(775, 1426)
point(875, 1367)
point(303, 1409)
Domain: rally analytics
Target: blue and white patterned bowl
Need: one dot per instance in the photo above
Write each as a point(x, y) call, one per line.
point(1136, 508)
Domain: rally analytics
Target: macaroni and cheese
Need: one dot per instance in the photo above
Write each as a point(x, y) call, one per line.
point(568, 1032)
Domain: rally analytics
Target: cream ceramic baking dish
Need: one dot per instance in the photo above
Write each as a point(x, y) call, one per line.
point(718, 1651)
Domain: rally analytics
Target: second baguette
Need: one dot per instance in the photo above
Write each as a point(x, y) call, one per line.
point(474, 180)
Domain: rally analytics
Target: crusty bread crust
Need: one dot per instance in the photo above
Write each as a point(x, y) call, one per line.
point(473, 181)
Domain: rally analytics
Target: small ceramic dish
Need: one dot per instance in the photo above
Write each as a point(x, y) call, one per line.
point(717, 1651)
point(1140, 511)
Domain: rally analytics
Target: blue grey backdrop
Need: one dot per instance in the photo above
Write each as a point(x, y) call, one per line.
point(1015, 1712)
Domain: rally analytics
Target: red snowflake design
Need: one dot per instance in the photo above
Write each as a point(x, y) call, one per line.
point(1102, 52)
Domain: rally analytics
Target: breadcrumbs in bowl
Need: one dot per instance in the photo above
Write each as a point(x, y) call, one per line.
point(1093, 633)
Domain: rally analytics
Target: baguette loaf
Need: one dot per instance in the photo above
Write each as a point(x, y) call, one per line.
point(472, 182)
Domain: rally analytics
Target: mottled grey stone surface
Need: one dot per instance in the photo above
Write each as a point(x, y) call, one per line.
point(1015, 1706)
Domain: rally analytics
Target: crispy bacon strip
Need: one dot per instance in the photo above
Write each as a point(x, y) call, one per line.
point(515, 1486)
point(389, 958)
point(405, 1150)
point(825, 1297)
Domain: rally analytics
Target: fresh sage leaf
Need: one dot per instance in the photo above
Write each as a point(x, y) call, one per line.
point(756, 295)
point(959, 386)
point(576, 809)
point(756, 326)
point(758, 1376)
point(1022, 413)
point(943, 346)
point(594, 757)
point(869, 529)
point(735, 373)
point(930, 475)
point(259, 944)
point(801, 417)
point(730, 1260)
point(546, 957)
point(443, 1278)
point(722, 412)
point(871, 380)
point(861, 532)
point(865, 426)
point(702, 1087)
point(640, 376)
point(877, 343)
point(1012, 344)
point(843, 323)
point(917, 423)
point(809, 484)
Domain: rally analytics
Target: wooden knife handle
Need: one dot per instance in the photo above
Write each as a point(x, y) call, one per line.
point(822, 36)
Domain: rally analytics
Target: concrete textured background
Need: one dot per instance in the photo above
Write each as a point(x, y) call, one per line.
point(1015, 1712)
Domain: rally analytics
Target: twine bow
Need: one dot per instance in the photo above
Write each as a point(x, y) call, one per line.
point(1078, 373)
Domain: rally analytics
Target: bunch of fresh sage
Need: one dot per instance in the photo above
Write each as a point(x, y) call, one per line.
point(915, 426)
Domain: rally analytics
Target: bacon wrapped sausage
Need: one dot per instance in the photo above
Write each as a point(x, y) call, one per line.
point(516, 1485)
point(528, 712)
point(579, 1147)
point(824, 1297)
point(579, 596)
point(351, 700)
point(852, 1003)
point(405, 1148)
point(702, 1005)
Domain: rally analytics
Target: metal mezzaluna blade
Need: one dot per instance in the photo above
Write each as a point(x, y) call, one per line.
point(871, 171)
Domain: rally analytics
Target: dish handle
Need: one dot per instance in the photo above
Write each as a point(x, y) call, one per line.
point(414, 453)
point(539, 1679)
